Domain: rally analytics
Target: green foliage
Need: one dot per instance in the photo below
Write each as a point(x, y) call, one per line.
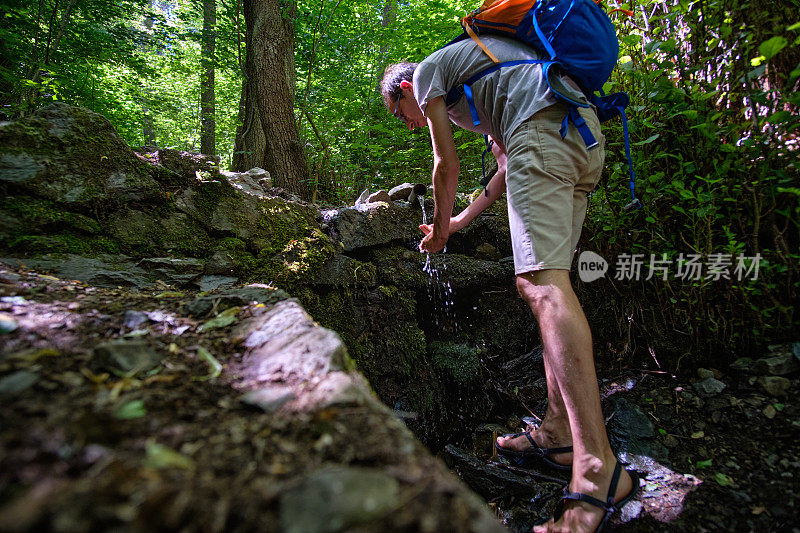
point(713, 127)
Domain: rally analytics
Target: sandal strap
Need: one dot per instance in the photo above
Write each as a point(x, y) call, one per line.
point(544, 451)
point(581, 497)
point(612, 488)
point(607, 505)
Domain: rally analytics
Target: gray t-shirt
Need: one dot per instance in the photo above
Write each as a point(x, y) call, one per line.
point(503, 99)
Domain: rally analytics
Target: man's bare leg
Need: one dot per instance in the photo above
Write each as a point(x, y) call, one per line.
point(568, 352)
point(554, 431)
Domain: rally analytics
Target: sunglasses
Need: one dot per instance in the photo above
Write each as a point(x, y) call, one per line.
point(402, 115)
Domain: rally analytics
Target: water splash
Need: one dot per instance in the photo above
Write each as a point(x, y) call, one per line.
point(440, 292)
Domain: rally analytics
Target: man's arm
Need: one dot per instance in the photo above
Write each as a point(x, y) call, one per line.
point(495, 188)
point(445, 175)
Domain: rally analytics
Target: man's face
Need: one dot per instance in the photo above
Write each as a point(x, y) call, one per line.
point(407, 110)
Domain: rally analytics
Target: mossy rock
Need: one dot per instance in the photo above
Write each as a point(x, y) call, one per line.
point(73, 156)
point(458, 362)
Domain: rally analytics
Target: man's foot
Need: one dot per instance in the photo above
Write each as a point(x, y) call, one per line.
point(542, 443)
point(585, 509)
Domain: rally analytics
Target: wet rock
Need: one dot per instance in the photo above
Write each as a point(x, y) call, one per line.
point(338, 498)
point(631, 430)
point(490, 480)
point(401, 192)
point(709, 387)
point(225, 299)
point(775, 386)
point(128, 357)
point(780, 364)
point(269, 399)
point(380, 196)
point(18, 382)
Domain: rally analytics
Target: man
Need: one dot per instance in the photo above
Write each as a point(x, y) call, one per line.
point(547, 179)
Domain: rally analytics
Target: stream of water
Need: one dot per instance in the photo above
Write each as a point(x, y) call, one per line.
point(440, 292)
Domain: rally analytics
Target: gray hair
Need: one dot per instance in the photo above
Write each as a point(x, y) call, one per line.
point(393, 75)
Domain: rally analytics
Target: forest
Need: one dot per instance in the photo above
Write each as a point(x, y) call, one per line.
point(696, 305)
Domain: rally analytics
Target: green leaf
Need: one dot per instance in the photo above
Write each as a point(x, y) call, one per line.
point(704, 464)
point(214, 366)
point(225, 318)
point(770, 47)
point(723, 480)
point(648, 140)
point(161, 457)
point(130, 410)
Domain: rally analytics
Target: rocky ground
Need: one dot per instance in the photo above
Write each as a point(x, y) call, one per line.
point(167, 428)
point(161, 410)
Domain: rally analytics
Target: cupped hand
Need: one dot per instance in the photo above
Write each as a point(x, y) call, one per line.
point(432, 242)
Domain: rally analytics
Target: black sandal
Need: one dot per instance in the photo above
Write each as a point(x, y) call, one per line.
point(536, 452)
point(609, 506)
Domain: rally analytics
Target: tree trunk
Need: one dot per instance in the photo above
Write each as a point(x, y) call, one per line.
point(207, 97)
point(269, 135)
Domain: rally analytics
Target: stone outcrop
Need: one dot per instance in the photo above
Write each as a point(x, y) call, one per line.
point(416, 333)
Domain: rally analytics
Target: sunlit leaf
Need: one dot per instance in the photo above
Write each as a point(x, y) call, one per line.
point(771, 47)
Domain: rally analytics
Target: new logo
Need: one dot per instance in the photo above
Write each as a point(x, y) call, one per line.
point(591, 266)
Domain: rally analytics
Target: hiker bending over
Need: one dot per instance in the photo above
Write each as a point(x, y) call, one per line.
point(547, 179)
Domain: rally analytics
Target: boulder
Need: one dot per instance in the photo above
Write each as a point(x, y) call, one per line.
point(370, 225)
point(401, 192)
point(74, 157)
point(380, 196)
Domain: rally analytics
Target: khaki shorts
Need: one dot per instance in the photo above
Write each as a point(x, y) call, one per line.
point(547, 183)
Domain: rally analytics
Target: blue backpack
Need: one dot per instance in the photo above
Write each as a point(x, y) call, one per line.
point(576, 35)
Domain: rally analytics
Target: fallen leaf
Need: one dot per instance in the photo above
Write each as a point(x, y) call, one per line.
point(704, 464)
point(33, 354)
point(770, 412)
point(723, 480)
point(171, 294)
point(220, 321)
point(130, 410)
point(160, 457)
point(698, 435)
point(94, 378)
point(214, 366)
